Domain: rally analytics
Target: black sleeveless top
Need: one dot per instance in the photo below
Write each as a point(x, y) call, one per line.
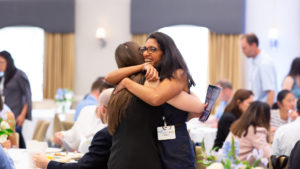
point(134, 145)
point(177, 153)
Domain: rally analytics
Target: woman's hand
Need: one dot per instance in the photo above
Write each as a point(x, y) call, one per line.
point(151, 72)
point(57, 138)
point(293, 114)
point(20, 120)
point(6, 144)
point(121, 85)
point(40, 161)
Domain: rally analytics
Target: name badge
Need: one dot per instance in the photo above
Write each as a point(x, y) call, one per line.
point(166, 133)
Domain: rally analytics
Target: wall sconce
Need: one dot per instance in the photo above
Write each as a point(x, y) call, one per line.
point(101, 35)
point(273, 36)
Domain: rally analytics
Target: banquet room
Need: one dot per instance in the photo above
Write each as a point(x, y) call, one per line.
point(55, 51)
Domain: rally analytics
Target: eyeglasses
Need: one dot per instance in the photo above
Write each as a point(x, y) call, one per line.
point(150, 49)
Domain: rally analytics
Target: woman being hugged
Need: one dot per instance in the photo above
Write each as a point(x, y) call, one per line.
point(161, 52)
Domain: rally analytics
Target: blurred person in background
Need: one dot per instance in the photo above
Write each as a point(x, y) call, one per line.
point(92, 97)
point(292, 81)
point(8, 122)
point(285, 137)
point(251, 131)
point(91, 119)
point(225, 96)
point(262, 78)
point(15, 87)
point(283, 111)
point(236, 107)
point(5, 161)
point(98, 152)
point(294, 161)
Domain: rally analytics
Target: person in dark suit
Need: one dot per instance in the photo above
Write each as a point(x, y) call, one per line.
point(97, 156)
point(294, 161)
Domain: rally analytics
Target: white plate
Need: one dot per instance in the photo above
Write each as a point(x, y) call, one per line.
point(53, 150)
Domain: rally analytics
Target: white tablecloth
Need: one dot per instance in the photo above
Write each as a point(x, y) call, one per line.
point(20, 157)
point(199, 131)
point(42, 114)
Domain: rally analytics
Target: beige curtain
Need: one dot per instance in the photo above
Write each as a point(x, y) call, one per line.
point(225, 59)
point(58, 62)
point(139, 38)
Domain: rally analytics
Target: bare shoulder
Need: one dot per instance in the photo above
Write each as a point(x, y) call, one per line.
point(180, 74)
point(289, 79)
point(288, 83)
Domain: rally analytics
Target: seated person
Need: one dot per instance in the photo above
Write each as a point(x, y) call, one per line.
point(225, 96)
point(251, 130)
point(285, 104)
point(99, 150)
point(5, 161)
point(294, 161)
point(285, 137)
point(9, 118)
point(91, 98)
point(97, 156)
point(91, 119)
point(236, 107)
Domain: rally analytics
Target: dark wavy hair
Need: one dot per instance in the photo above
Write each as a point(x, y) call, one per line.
point(295, 67)
point(10, 68)
point(172, 58)
point(238, 97)
point(257, 115)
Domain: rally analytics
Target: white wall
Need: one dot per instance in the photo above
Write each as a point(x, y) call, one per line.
point(91, 60)
point(259, 18)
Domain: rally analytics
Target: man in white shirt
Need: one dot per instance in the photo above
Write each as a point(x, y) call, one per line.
point(262, 78)
point(286, 136)
point(91, 120)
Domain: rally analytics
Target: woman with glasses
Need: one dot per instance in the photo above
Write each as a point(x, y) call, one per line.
point(160, 51)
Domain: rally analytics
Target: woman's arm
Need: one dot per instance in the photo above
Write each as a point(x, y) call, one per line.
point(20, 119)
point(166, 90)
point(117, 75)
point(288, 83)
point(184, 101)
point(187, 102)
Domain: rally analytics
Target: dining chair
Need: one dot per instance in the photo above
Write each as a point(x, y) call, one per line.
point(198, 151)
point(59, 125)
point(40, 130)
